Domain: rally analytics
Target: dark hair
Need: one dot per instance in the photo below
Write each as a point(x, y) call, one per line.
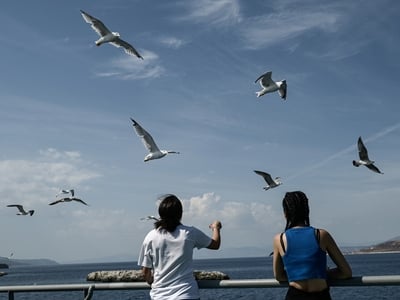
point(295, 206)
point(170, 211)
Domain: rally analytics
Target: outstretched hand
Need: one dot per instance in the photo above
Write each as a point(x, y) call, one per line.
point(215, 225)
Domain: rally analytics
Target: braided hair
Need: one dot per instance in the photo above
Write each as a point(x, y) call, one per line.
point(295, 206)
point(170, 211)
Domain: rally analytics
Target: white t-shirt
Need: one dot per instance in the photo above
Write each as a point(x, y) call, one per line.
point(170, 255)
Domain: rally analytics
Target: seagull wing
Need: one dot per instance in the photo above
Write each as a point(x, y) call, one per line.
point(79, 200)
point(374, 168)
point(146, 137)
point(362, 150)
point(96, 24)
point(129, 49)
point(265, 79)
point(57, 201)
point(20, 207)
point(266, 177)
point(150, 218)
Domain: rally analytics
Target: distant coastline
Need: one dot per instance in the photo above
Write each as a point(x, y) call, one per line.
point(7, 262)
point(391, 246)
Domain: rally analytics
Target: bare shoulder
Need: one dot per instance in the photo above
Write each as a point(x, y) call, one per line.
point(326, 240)
point(324, 234)
point(277, 238)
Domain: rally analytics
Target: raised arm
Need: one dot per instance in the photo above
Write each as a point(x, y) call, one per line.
point(216, 235)
point(342, 269)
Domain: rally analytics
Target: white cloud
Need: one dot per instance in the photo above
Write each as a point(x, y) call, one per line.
point(209, 207)
point(239, 219)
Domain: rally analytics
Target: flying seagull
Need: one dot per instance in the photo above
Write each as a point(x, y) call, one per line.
point(106, 36)
point(149, 143)
point(269, 86)
point(22, 211)
point(268, 179)
point(66, 192)
point(364, 160)
point(150, 218)
point(68, 199)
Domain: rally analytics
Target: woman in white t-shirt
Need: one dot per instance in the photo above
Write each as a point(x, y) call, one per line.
point(166, 256)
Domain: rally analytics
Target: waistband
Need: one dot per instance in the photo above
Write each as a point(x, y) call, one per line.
point(296, 294)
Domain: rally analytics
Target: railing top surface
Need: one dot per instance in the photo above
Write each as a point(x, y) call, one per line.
point(384, 280)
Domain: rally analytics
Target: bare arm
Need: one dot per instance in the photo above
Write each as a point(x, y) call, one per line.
point(148, 275)
point(343, 269)
point(277, 263)
point(216, 235)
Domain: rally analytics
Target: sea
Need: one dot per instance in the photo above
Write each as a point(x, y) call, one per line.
point(235, 268)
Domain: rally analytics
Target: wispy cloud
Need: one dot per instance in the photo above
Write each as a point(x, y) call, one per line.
point(128, 68)
point(263, 31)
point(172, 42)
point(217, 12)
point(341, 28)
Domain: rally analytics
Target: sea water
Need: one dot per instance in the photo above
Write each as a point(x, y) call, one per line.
point(236, 268)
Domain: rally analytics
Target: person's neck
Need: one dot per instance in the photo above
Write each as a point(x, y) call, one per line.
point(299, 225)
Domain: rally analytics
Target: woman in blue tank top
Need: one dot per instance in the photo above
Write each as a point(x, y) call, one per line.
point(300, 253)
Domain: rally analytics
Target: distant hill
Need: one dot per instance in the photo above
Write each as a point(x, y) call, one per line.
point(391, 245)
point(4, 262)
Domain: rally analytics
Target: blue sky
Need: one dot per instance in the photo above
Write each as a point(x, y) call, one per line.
point(66, 104)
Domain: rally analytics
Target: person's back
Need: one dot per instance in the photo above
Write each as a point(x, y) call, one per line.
point(300, 253)
point(172, 261)
point(166, 255)
point(303, 258)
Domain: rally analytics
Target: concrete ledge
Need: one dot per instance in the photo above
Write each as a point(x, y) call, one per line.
point(136, 276)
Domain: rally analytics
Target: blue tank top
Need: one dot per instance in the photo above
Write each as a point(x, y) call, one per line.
point(304, 259)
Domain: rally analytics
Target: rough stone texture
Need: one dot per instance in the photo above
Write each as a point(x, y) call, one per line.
point(210, 275)
point(136, 276)
point(116, 276)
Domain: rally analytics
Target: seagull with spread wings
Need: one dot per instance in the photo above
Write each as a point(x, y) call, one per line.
point(149, 143)
point(22, 211)
point(107, 36)
point(68, 199)
point(364, 159)
point(269, 86)
point(272, 183)
point(147, 218)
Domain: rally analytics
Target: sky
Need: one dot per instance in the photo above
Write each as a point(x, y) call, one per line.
point(65, 109)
